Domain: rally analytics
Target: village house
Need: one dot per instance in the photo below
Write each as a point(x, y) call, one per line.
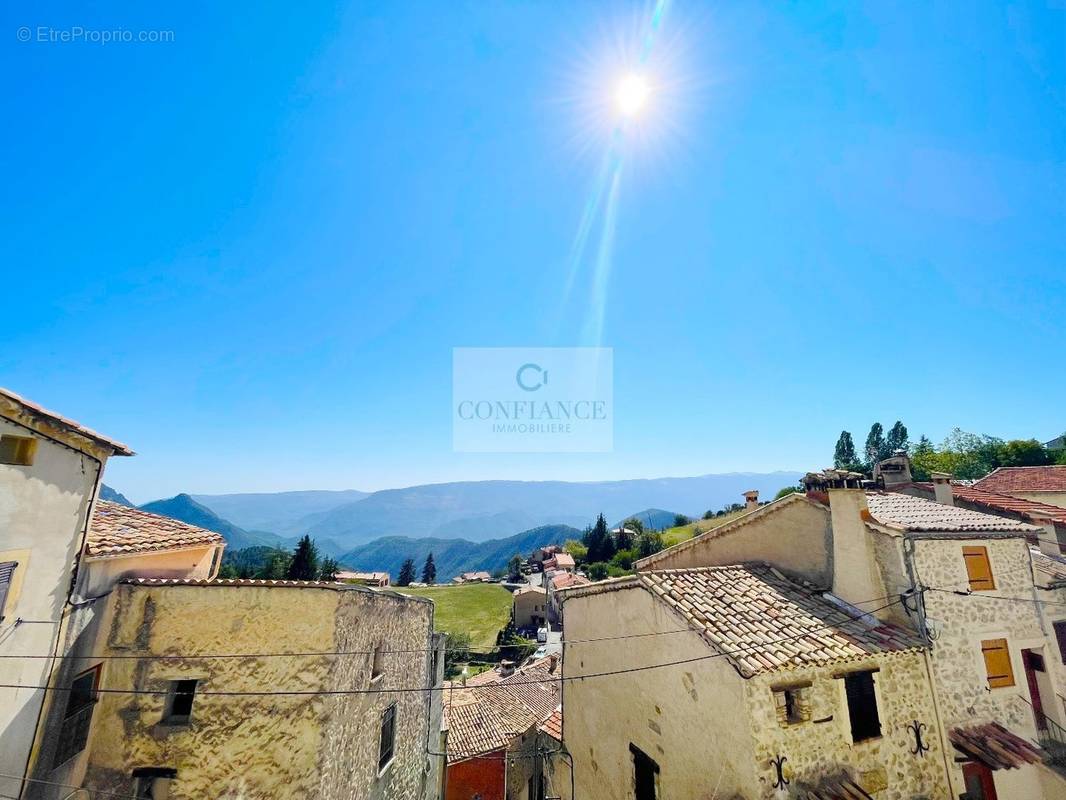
point(51, 469)
point(379, 579)
point(501, 742)
point(771, 684)
point(556, 582)
point(1043, 484)
point(560, 562)
point(529, 608)
point(961, 581)
point(473, 577)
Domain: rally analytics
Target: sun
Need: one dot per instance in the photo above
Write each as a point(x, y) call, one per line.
point(632, 94)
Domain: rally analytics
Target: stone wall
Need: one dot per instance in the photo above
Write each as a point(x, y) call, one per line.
point(275, 745)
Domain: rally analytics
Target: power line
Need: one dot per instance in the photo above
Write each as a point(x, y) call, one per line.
point(984, 596)
point(508, 684)
point(68, 786)
point(308, 654)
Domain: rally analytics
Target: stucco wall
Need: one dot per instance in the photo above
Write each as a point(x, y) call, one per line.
point(692, 719)
point(795, 537)
point(100, 574)
point(484, 777)
point(1051, 498)
point(528, 605)
point(43, 508)
point(272, 746)
point(885, 766)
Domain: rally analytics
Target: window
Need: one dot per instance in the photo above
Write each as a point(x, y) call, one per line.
point(978, 568)
point(77, 716)
point(152, 783)
point(17, 450)
point(645, 775)
point(862, 706)
point(997, 663)
point(388, 737)
point(377, 667)
point(7, 575)
point(792, 704)
point(179, 702)
point(1060, 635)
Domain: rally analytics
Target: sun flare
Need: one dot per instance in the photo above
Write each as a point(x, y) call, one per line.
point(632, 94)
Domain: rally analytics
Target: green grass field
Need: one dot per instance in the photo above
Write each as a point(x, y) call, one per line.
point(479, 609)
point(683, 533)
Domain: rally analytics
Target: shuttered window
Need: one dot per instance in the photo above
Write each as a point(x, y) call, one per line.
point(1060, 635)
point(387, 743)
point(81, 699)
point(862, 706)
point(978, 568)
point(997, 663)
point(7, 575)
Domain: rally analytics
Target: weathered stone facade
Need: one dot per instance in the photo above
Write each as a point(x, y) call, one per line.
point(273, 745)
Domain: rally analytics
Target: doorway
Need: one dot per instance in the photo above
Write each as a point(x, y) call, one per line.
point(1034, 671)
point(979, 782)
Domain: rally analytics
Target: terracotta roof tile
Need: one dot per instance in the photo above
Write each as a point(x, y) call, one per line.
point(553, 725)
point(909, 513)
point(1024, 479)
point(119, 530)
point(995, 746)
point(1051, 567)
point(998, 502)
point(565, 580)
point(31, 408)
point(762, 621)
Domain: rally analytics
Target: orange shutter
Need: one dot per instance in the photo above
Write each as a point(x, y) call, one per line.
point(997, 663)
point(978, 569)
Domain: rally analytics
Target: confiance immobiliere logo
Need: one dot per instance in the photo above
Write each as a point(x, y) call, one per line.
point(533, 399)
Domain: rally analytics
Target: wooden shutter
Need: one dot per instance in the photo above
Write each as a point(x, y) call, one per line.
point(862, 706)
point(7, 575)
point(1060, 634)
point(997, 663)
point(978, 568)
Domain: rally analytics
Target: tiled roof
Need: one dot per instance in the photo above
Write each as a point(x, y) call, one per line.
point(564, 580)
point(762, 622)
point(995, 746)
point(834, 787)
point(119, 530)
point(995, 501)
point(1053, 569)
point(485, 717)
point(562, 560)
point(64, 423)
point(1025, 479)
point(263, 582)
point(529, 588)
point(553, 725)
point(908, 513)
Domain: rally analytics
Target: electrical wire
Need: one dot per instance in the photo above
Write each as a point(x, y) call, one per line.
point(508, 684)
point(309, 654)
point(69, 786)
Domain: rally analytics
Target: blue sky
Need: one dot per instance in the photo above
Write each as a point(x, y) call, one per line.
point(249, 252)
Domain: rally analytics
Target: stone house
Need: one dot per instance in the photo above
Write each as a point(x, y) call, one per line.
point(557, 582)
point(51, 469)
point(194, 692)
point(965, 584)
point(1043, 484)
point(748, 685)
point(379, 579)
point(560, 562)
point(500, 741)
point(529, 607)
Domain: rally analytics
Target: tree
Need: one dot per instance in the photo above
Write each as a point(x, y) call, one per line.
point(597, 571)
point(844, 453)
point(623, 540)
point(681, 519)
point(577, 550)
point(456, 652)
point(649, 544)
point(277, 566)
point(429, 571)
point(328, 569)
point(1024, 453)
point(407, 573)
point(897, 439)
point(514, 567)
point(708, 514)
point(599, 542)
point(875, 445)
point(634, 524)
point(304, 564)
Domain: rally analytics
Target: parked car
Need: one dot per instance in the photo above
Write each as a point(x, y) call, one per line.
point(542, 635)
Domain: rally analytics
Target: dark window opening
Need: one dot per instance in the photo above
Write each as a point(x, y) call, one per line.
point(7, 577)
point(862, 706)
point(18, 450)
point(388, 737)
point(1060, 635)
point(377, 668)
point(78, 715)
point(645, 771)
point(792, 710)
point(179, 701)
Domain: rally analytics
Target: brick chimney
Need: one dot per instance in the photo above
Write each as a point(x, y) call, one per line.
point(894, 471)
point(856, 578)
point(942, 488)
point(751, 500)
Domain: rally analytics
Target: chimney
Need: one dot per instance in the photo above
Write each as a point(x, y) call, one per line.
point(894, 471)
point(506, 668)
point(942, 488)
point(553, 661)
point(856, 577)
point(751, 500)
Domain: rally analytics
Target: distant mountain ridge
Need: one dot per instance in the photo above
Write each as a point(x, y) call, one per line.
point(278, 512)
point(453, 556)
point(107, 493)
point(653, 519)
